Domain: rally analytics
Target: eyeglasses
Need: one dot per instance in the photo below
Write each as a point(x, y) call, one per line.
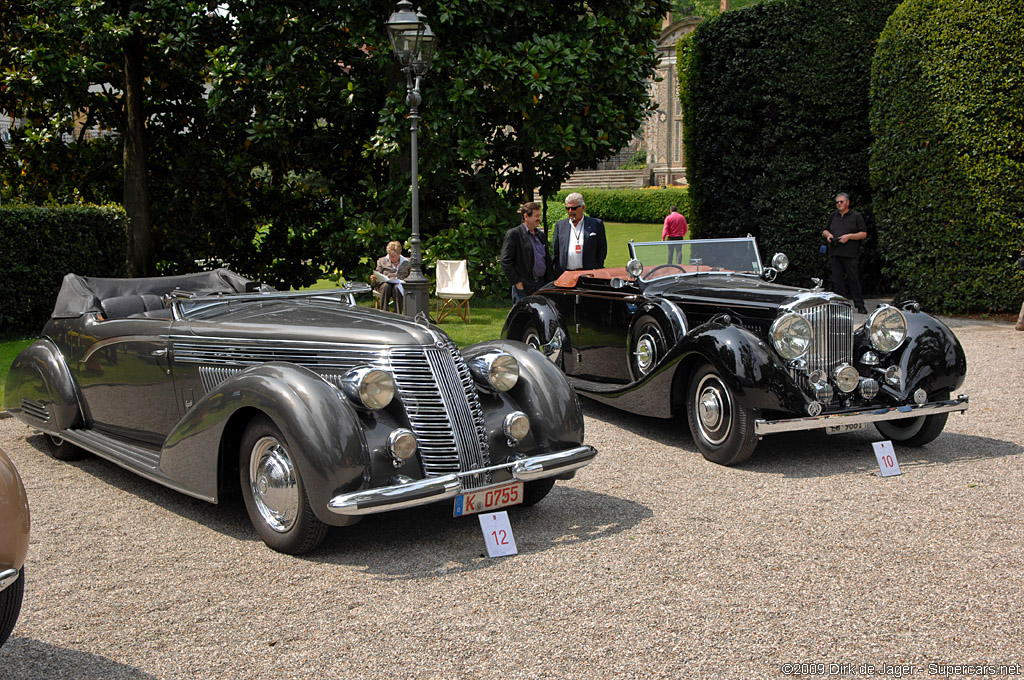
point(572, 207)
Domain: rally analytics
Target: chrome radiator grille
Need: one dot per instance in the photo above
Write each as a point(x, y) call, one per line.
point(832, 323)
point(444, 410)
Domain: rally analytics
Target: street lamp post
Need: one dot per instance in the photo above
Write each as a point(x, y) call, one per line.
point(413, 43)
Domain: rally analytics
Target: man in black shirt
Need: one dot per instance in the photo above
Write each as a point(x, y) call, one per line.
point(844, 231)
point(524, 254)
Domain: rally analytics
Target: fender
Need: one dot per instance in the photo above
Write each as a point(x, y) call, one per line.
point(673, 319)
point(542, 393)
point(757, 377)
point(933, 357)
point(321, 427)
point(541, 311)
point(40, 390)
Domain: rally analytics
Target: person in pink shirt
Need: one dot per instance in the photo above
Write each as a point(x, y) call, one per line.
point(674, 230)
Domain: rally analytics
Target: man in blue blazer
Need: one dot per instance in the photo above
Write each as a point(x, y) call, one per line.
point(580, 241)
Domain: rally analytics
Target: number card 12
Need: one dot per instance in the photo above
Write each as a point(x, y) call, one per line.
point(887, 462)
point(498, 534)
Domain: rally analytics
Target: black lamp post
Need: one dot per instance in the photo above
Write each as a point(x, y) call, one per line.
point(413, 43)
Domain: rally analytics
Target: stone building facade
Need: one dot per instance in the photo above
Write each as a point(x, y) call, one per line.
point(663, 132)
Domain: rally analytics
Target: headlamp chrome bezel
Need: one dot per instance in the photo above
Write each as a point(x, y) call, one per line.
point(495, 370)
point(791, 335)
point(368, 387)
point(886, 328)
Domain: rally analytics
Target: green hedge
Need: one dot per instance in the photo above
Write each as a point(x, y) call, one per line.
point(624, 205)
point(775, 113)
point(41, 245)
point(947, 110)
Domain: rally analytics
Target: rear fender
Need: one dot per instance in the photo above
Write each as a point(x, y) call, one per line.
point(543, 313)
point(40, 390)
point(322, 429)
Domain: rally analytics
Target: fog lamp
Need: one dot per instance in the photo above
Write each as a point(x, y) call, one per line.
point(516, 426)
point(823, 392)
point(401, 445)
point(845, 377)
point(868, 388)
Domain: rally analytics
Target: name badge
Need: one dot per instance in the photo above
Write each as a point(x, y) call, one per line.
point(579, 248)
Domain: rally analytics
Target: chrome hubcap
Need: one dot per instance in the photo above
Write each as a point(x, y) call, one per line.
point(645, 354)
point(713, 409)
point(273, 484)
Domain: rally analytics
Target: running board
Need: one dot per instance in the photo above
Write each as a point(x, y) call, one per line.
point(142, 460)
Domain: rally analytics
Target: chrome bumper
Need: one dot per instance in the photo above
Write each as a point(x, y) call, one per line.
point(433, 489)
point(762, 427)
point(7, 577)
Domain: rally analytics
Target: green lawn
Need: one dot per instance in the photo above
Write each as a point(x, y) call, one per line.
point(487, 316)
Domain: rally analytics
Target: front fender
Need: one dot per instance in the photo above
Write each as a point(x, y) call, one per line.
point(40, 390)
point(745, 363)
point(932, 358)
point(322, 429)
point(542, 393)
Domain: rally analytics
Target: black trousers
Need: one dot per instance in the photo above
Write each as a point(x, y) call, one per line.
point(846, 279)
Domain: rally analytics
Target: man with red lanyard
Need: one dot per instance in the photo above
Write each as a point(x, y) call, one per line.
point(580, 241)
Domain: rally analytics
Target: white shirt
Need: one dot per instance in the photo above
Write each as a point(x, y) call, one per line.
point(574, 256)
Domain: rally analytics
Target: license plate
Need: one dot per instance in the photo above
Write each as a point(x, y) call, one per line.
point(489, 499)
point(848, 427)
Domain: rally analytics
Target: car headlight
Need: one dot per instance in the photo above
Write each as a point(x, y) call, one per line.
point(780, 261)
point(791, 336)
point(497, 370)
point(369, 387)
point(887, 328)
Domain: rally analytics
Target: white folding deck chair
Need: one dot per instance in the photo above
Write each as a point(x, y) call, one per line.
point(453, 291)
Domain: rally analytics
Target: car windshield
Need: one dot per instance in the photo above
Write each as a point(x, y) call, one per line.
point(670, 258)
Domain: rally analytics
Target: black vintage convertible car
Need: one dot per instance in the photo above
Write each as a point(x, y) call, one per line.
point(742, 356)
point(318, 410)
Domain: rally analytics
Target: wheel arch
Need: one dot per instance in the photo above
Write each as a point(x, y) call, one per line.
point(323, 431)
point(40, 390)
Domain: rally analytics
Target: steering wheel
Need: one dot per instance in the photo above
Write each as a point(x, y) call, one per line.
point(650, 274)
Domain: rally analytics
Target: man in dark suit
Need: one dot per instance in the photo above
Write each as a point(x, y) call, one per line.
point(580, 242)
point(524, 253)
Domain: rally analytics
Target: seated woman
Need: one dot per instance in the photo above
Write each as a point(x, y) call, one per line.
point(388, 275)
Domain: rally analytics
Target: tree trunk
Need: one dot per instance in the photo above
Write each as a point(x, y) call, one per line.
point(136, 193)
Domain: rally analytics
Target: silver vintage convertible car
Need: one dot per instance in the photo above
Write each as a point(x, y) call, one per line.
point(699, 330)
point(319, 410)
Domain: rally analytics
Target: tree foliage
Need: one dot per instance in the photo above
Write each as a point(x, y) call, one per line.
point(775, 109)
point(947, 168)
point(275, 137)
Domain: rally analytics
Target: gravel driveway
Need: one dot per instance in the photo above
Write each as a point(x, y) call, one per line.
point(652, 563)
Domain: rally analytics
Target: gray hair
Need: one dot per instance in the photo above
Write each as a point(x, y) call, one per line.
point(575, 197)
point(844, 195)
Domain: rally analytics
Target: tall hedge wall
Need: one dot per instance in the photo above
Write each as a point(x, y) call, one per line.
point(947, 109)
point(41, 245)
point(775, 111)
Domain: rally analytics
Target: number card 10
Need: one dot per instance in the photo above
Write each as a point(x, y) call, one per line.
point(887, 463)
point(498, 534)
